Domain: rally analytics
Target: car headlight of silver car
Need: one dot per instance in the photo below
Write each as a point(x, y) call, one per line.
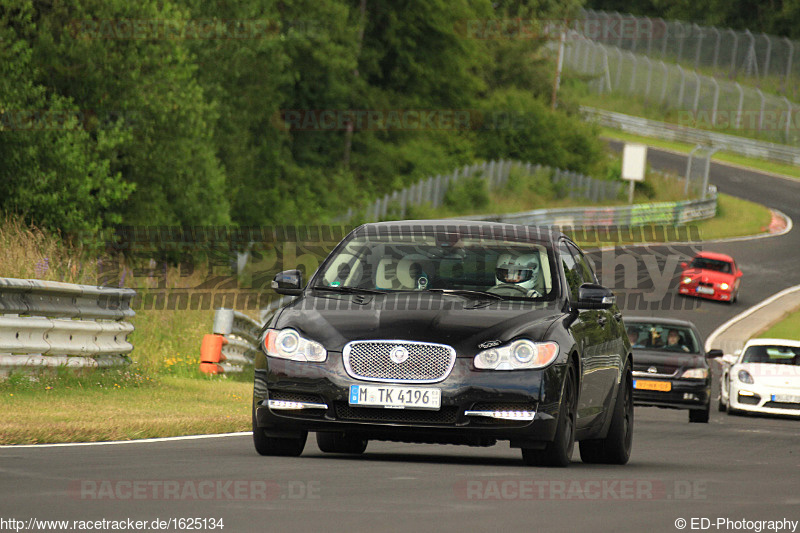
point(521, 354)
point(289, 344)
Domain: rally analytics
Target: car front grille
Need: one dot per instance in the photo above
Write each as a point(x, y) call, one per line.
point(445, 416)
point(420, 362)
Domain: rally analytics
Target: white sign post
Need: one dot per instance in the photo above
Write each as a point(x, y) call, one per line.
point(634, 161)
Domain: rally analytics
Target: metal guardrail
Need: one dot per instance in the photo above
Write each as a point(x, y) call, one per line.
point(241, 335)
point(673, 132)
point(621, 216)
point(51, 324)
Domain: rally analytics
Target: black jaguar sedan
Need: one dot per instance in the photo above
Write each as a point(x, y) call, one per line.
point(670, 365)
point(447, 332)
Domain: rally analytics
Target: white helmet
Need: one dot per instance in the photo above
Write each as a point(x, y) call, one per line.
point(522, 271)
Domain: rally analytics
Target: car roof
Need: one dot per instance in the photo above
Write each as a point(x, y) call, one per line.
point(715, 255)
point(659, 320)
point(544, 233)
point(771, 342)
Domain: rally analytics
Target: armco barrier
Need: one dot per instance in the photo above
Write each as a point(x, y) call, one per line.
point(232, 345)
point(51, 324)
point(621, 216)
point(673, 132)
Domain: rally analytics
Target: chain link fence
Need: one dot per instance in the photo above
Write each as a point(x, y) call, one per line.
point(766, 61)
point(694, 99)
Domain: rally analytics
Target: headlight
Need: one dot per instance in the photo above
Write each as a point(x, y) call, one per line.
point(745, 377)
point(695, 373)
point(519, 355)
point(686, 280)
point(724, 286)
point(289, 344)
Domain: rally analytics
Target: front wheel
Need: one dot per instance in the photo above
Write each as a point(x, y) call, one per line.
point(291, 447)
point(700, 415)
point(616, 447)
point(559, 451)
point(721, 407)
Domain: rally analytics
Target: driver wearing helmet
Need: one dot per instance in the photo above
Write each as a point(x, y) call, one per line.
point(517, 275)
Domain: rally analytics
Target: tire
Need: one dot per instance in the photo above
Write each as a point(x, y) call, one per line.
point(721, 406)
point(341, 443)
point(272, 446)
point(616, 447)
point(700, 416)
point(559, 451)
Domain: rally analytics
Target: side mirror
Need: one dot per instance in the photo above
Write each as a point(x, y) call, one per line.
point(684, 265)
point(738, 274)
point(288, 282)
point(593, 296)
point(713, 354)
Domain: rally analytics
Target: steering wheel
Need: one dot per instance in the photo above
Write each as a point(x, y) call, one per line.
point(508, 289)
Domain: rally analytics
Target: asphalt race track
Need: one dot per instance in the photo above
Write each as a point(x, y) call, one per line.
point(737, 468)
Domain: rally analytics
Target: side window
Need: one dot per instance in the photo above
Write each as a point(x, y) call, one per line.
point(587, 273)
point(572, 271)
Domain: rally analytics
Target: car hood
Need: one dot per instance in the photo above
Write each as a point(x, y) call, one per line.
point(463, 323)
point(771, 374)
point(708, 276)
point(665, 362)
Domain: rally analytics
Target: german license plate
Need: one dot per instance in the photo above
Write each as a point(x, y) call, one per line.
point(661, 386)
point(395, 397)
point(785, 398)
point(705, 290)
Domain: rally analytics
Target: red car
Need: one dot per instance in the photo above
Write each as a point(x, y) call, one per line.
point(711, 275)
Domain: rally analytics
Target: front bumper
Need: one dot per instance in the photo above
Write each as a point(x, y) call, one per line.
point(683, 394)
point(718, 294)
point(477, 407)
point(761, 399)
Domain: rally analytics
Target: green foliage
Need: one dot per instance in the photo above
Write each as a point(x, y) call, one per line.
point(538, 183)
point(779, 18)
point(185, 129)
point(468, 193)
point(522, 127)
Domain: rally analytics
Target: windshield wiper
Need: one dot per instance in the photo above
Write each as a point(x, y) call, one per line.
point(467, 292)
point(349, 290)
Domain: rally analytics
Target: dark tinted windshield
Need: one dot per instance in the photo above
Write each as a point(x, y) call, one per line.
point(403, 262)
point(779, 355)
point(666, 337)
point(711, 264)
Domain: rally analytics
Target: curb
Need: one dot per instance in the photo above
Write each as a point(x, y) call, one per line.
point(752, 330)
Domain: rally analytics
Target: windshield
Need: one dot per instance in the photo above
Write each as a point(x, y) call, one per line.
point(440, 262)
point(779, 355)
point(711, 264)
point(666, 337)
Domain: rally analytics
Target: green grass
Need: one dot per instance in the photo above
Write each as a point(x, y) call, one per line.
point(787, 328)
point(782, 169)
point(735, 218)
point(116, 406)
